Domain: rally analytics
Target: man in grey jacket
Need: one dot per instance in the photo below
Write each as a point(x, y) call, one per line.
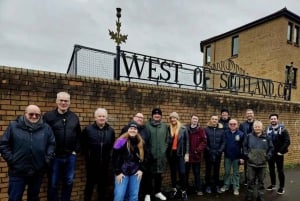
point(258, 149)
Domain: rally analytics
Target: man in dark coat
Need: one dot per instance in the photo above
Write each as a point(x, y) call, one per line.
point(281, 141)
point(97, 142)
point(28, 146)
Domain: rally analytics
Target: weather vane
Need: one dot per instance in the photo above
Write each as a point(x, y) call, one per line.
point(117, 36)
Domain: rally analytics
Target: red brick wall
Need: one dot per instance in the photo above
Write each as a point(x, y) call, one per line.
point(20, 87)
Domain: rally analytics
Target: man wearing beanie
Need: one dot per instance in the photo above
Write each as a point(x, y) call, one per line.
point(159, 137)
point(178, 154)
point(225, 118)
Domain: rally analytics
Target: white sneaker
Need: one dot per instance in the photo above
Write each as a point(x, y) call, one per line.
point(236, 192)
point(147, 198)
point(160, 196)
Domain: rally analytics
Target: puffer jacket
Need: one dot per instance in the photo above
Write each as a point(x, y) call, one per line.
point(66, 128)
point(215, 142)
point(27, 149)
point(257, 149)
point(197, 139)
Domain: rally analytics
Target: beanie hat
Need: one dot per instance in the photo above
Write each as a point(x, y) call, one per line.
point(224, 110)
point(132, 124)
point(174, 114)
point(156, 111)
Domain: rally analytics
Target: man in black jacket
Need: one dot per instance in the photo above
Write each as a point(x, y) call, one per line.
point(281, 141)
point(66, 128)
point(247, 127)
point(27, 146)
point(97, 142)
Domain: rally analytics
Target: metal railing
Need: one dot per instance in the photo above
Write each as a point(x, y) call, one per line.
point(135, 67)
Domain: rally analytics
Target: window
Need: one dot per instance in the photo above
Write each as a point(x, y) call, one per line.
point(296, 36)
point(208, 54)
point(235, 46)
point(289, 32)
point(291, 75)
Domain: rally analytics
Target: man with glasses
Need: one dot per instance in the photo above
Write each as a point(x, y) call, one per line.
point(27, 146)
point(66, 128)
point(145, 188)
point(233, 156)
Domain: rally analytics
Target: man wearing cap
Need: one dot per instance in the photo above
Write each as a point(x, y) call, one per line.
point(159, 135)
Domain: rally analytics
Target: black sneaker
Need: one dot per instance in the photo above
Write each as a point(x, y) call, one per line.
point(271, 187)
point(173, 193)
point(208, 190)
point(184, 196)
point(280, 191)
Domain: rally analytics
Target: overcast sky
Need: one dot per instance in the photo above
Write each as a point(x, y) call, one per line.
point(40, 34)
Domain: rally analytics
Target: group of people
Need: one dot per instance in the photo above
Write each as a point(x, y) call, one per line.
point(36, 144)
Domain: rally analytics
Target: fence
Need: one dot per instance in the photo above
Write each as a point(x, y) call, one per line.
point(135, 67)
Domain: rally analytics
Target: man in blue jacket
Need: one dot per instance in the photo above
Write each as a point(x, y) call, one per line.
point(233, 156)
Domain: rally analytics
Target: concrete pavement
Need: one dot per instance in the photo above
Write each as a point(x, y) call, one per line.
point(292, 190)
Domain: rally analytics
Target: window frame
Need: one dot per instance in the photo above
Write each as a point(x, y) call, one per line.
point(235, 46)
point(289, 36)
point(296, 35)
point(208, 54)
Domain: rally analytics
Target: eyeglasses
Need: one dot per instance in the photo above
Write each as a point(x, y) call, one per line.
point(139, 117)
point(232, 124)
point(37, 115)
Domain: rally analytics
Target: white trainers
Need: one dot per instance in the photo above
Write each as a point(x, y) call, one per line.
point(236, 192)
point(160, 196)
point(147, 198)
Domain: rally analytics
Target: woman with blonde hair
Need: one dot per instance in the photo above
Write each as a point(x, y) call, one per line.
point(178, 154)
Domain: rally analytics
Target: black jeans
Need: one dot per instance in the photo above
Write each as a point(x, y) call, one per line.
point(212, 181)
point(196, 172)
point(96, 176)
point(177, 164)
point(278, 160)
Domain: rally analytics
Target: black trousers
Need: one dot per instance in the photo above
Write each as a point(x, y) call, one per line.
point(96, 177)
point(278, 160)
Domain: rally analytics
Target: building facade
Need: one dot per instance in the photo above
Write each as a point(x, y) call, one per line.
point(266, 48)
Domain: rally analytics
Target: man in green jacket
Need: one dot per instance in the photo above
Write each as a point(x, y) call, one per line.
point(159, 137)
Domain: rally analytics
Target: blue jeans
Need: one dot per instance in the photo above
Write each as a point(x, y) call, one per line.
point(16, 187)
point(234, 164)
point(62, 167)
point(129, 183)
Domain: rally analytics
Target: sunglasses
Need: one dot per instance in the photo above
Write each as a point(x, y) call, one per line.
point(37, 115)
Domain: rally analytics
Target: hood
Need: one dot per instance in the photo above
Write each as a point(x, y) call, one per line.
point(219, 125)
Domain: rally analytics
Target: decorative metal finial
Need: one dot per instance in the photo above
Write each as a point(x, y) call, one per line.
point(117, 36)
